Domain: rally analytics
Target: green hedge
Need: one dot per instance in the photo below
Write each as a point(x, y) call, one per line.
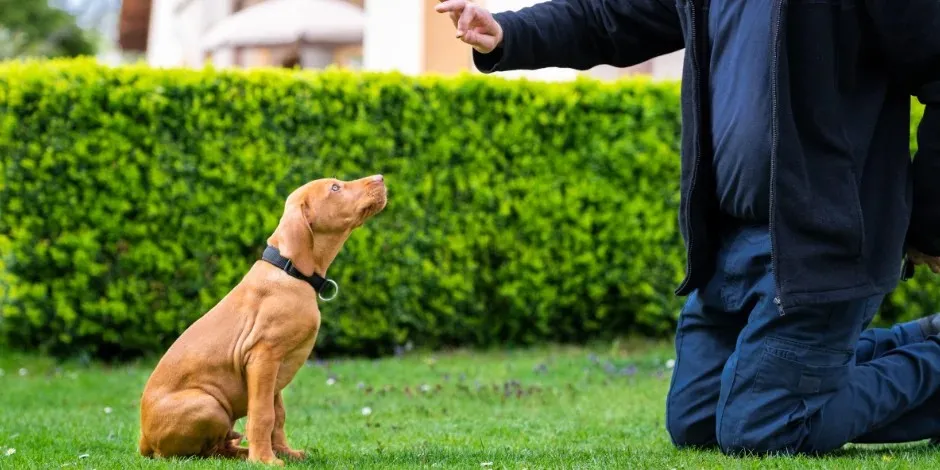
point(132, 200)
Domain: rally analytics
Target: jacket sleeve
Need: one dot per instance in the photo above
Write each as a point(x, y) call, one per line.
point(581, 34)
point(924, 231)
point(909, 33)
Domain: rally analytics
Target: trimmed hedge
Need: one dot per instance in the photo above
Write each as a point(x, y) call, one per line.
point(133, 199)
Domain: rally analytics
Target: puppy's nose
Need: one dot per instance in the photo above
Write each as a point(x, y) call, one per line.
point(378, 178)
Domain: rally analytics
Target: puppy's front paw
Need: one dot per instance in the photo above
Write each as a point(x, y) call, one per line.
point(290, 453)
point(267, 460)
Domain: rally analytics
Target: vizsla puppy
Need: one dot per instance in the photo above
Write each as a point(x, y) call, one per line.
point(236, 359)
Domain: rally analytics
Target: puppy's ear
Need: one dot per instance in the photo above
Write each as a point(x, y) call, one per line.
point(292, 234)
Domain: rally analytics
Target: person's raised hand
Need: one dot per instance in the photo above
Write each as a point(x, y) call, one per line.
point(918, 258)
point(475, 24)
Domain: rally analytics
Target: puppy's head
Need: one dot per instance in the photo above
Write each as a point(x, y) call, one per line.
point(323, 212)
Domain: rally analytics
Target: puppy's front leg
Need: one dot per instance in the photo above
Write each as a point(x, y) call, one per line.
point(279, 438)
point(261, 375)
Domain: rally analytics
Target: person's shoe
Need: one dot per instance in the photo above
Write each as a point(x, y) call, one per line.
point(930, 325)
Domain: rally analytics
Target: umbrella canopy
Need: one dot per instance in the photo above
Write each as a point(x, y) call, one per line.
point(278, 22)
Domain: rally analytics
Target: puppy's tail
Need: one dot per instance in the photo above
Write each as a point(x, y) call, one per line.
point(144, 448)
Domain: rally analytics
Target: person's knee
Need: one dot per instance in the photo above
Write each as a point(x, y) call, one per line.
point(687, 431)
point(758, 421)
point(774, 404)
point(690, 438)
point(751, 444)
point(759, 444)
point(777, 427)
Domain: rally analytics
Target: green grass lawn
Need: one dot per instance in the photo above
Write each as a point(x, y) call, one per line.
point(598, 407)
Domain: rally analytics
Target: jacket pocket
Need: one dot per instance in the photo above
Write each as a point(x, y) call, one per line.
point(824, 204)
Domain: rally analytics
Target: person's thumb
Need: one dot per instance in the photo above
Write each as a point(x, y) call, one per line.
point(474, 39)
point(482, 42)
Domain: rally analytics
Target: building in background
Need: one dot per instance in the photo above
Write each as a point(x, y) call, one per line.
point(244, 33)
point(380, 35)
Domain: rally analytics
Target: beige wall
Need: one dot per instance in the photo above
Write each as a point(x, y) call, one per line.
point(443, 53)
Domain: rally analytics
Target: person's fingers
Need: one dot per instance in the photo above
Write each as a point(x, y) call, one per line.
point(475, 26)
point(450, 6)
point(480, 41)
point(934, 265)
point(466, 17)
point(470, 37)
point(477, 40)
point(453, 11)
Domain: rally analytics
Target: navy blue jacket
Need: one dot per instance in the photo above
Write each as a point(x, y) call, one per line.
point(846, 199)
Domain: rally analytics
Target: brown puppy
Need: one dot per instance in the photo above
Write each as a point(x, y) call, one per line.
point(236, 359)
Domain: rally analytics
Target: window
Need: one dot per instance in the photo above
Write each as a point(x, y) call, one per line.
point(349, 57)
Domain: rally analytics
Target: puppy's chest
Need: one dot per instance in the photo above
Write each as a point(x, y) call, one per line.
point(293, 362)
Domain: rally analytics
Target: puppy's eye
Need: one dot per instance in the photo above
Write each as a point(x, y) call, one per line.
point(335, 187)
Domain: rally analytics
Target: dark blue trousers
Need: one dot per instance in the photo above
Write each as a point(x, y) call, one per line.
point(810, 380)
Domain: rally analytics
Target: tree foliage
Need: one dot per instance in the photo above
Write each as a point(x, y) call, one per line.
point(34, 28)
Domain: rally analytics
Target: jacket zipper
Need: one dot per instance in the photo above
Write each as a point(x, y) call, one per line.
point(698, 147)
point(775, 144)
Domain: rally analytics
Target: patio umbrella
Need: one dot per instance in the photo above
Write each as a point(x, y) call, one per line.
point(279, 22)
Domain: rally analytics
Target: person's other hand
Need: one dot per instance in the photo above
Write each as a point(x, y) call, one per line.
point(475, 24)
point(918, 258)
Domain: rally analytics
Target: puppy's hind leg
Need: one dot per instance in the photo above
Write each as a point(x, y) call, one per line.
point(229, 450)
point(144, 447)
point(188, 424)
point(234, 437)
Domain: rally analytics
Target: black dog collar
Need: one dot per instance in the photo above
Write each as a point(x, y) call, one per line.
point(273, 256)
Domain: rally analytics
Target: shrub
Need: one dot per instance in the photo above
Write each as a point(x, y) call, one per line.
point(133, 199)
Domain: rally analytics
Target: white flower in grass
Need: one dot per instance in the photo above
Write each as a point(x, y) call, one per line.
point(425, 388)
point(107, 410)
point(670, 363)
point(366, 411)
point(486, 464)
point(2, 372)
point(84, 456)
point(9, 452)
point(330, 381)
point(23, 372)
